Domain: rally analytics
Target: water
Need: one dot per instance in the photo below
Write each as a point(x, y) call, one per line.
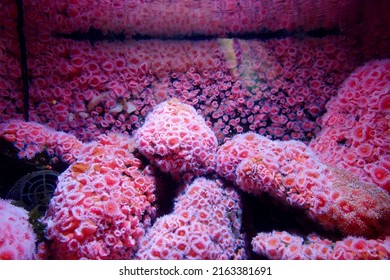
point(269, 67)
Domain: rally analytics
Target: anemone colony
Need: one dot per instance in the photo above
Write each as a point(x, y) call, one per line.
point(183, 123)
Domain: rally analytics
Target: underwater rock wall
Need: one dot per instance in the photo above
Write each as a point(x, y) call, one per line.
point(186, 18)
point(92, 83)
point(136, 19)
point(277, 88)
point(98, 69)
point(11, 97)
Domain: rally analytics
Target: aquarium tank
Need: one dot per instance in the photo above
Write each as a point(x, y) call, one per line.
point(194, 129)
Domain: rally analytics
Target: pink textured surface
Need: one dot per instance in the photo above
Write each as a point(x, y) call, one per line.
point(10, 71)
point(178, 18)
point(177, 140)
point(31, 138)
point(356, 131)
point(17, 238)
point(272, 83)
point(205, 224)
point(283, 245)
point(236, 85)
point(103, 203)
point(291, 172)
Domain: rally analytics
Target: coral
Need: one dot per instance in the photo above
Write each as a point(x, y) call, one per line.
point(17, 238)
point(286, 246)
point(275, 87)
point(184, 18)
point(11, 105)
point(268, 90)
point(177, 140)
point(103, 203)
point(205, 224)
point(87, 81)
point(292, 173)
point(31, 138)
point(356, 133)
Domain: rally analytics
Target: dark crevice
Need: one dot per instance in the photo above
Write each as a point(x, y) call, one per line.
point(167, 191)
point(266, 214)
point(94, 35)
point(322, 32)
point(12, 168)
point(342, 142)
